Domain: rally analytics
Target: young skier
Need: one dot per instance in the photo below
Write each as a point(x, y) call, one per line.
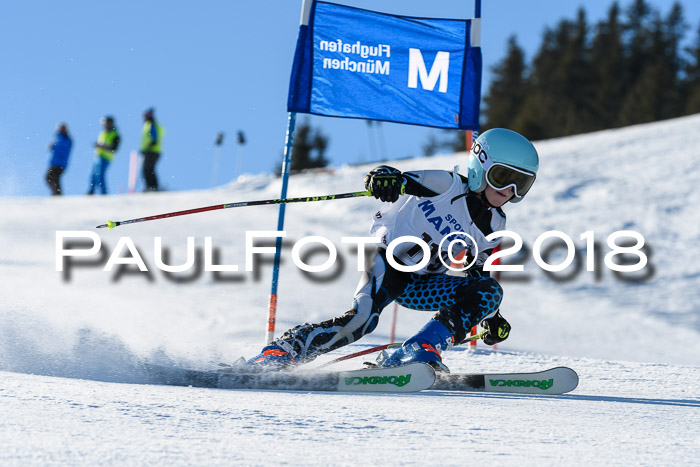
point(502, 167)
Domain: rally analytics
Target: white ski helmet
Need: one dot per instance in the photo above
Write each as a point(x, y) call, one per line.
point(501, 158)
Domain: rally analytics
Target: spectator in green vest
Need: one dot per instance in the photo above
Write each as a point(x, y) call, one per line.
point(105, 147)
point(151, 141)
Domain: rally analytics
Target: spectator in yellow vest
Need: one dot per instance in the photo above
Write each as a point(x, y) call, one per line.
point(151, 141)
point(105, 147)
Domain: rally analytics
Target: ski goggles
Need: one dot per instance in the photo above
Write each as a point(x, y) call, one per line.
point(501, 176)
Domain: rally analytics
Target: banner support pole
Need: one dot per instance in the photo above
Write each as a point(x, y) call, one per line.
point(286, 162)
point(469, 137)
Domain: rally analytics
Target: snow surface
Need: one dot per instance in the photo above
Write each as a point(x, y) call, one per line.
point(72, 392)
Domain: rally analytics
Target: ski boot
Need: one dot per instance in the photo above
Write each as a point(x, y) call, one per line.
point(425, 347)
point(273, 356)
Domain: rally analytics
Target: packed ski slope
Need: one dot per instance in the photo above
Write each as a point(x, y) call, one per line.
point(72, 390)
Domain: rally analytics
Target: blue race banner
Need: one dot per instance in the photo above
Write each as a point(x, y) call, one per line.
point(357, 63)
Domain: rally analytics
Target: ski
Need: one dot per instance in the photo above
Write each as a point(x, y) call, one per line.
point(557, 380)
point(408, 378)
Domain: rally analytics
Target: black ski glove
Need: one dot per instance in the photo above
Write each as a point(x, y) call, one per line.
point(385, 183)
point(497, 329)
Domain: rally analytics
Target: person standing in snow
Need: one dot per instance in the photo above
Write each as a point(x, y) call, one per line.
point(151, 143)
point(105, 148)
point(60, 151)
point(436, 203)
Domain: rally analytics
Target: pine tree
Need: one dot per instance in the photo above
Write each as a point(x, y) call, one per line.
point(508, 88)
point(607, 65)
point(692, 77)
point(637, 105)
point(562, 83)
point(672, 30)
point(655, 94)
point(638, 38)
point(631, 71)
point(542, 113)
point(309, 148)
point(578, 78)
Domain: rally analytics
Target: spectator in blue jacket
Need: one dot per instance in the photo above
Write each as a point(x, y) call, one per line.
point(60, 150)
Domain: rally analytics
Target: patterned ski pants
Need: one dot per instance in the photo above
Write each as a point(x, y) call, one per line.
point(462, 302)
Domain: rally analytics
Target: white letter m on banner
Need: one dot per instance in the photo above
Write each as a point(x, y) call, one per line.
point(416, 66)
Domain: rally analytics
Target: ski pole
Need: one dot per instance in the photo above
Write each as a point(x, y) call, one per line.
point(388, 346)
point(112, 224)
point(476, 336)
point(362, 352)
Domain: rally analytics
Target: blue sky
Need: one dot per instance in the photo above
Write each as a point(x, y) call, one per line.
point(206, 67)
